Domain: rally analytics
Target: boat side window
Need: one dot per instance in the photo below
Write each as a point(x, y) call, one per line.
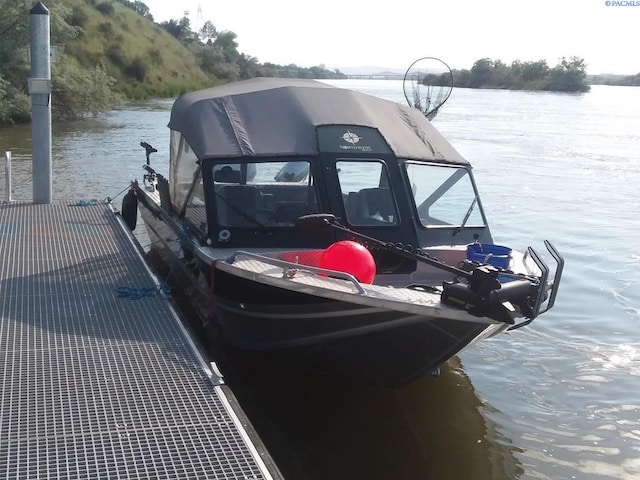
point(195, 207)
point(444, 195)
point(184, 170)
point(367, 198)
point(269, 193)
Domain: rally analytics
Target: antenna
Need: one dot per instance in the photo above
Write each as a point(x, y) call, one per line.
point(199, 11)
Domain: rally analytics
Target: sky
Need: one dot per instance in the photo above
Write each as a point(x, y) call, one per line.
point(393, 34)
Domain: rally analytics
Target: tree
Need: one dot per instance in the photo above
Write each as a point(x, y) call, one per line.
point(75, 91)
point(181, 29)
point(481, 72)
point(268, 70)
point(15, 106)
point(139, 7)
point(568, 76)
point(501, 75)
point(226, 40)
point(142, 9)
point(534, 71)
point(208, 32)
point(212, 60)
point(249, 67)
point(14, 36)
point(78, 92)
point(462, 78)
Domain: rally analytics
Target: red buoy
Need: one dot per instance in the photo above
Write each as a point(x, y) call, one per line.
point(350, 257)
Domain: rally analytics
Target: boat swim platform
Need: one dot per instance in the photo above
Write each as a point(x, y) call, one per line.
point(100, 385)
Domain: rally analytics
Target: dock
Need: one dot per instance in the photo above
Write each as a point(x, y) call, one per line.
point(100, 377)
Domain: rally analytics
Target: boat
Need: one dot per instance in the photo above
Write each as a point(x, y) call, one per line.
point(336, 228)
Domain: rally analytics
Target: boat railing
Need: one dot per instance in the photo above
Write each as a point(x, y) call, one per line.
point(289, 269)
point(547, 291)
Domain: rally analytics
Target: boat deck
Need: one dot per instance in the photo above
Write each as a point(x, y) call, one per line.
point(97, 384)
point(415, 301)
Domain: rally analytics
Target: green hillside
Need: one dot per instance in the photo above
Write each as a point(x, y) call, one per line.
point(112, 50)
point(133, 48)
point(150, 59)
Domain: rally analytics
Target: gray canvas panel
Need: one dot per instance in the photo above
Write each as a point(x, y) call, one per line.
point(237, 125)
point(272, 116)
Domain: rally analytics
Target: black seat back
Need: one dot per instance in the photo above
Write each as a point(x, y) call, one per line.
point(375, 205)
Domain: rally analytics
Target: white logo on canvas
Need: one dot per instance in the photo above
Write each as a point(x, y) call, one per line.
point(351, 138)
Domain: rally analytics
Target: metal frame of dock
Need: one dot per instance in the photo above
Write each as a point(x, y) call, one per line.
point(100, 385)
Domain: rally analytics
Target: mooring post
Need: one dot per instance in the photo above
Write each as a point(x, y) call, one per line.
point(7, 176)
point(40, 90)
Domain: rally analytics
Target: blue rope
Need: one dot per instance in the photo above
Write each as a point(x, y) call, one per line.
point(84, 203)
point(138, 293)
point(164, 288)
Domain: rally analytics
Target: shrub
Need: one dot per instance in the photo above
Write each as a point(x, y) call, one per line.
point(116, 55)
point(156, 56)
point(79, 17)
point(106, 28)
point(105, 7)
point(137, 69)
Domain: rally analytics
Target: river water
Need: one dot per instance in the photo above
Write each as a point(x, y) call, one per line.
point(559, 399)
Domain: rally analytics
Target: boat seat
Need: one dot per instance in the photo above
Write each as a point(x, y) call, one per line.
point(227, 175)
point(373, 206)
point(352, 204)
point(237, 203)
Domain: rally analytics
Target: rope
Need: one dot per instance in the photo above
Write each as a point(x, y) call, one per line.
point(164, 288)
point(90, 203)
point(133, 293)
point(85, 203)
point(109, 199)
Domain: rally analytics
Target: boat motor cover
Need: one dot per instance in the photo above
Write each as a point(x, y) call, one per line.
point(278, 117)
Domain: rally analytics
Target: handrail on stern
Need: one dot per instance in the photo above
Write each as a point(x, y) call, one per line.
point(288, 266)
point(544, 286)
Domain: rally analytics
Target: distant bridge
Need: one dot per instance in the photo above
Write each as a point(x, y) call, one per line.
point(378, 76)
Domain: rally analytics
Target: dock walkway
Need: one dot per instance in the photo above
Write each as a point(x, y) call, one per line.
point(97, 385)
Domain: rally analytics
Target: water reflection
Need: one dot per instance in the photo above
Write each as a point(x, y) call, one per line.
point(318, 426)
point(93, 158)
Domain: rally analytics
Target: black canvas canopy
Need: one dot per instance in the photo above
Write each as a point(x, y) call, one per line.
point(278, 117)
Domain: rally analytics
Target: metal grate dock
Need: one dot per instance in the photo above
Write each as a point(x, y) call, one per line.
point(96, 386)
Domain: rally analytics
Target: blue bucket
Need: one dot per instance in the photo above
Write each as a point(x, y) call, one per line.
point(495, 255)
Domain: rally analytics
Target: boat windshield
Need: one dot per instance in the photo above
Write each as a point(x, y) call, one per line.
point(444, 195)
point(269, 193)
point(367, 198)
